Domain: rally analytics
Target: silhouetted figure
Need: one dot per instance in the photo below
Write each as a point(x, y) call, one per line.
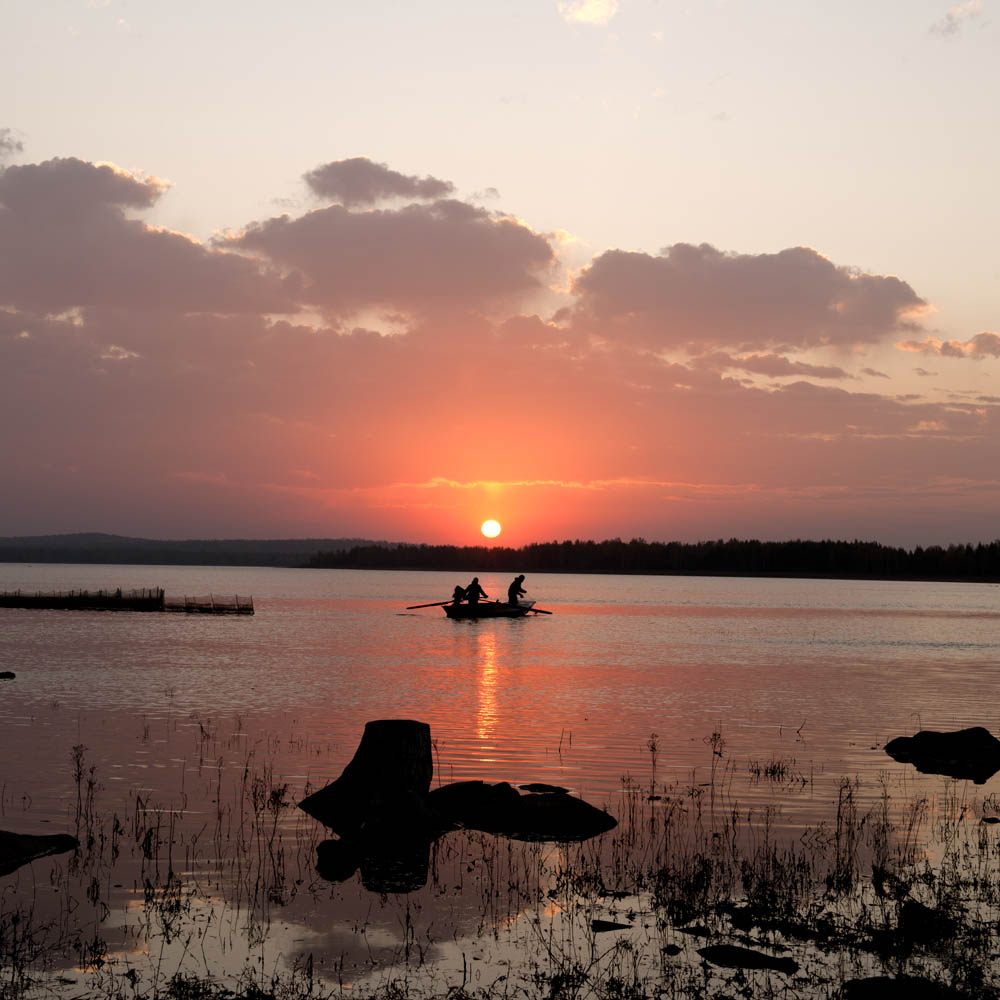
point(515, 590)
point(458, 595)
point(473, 592)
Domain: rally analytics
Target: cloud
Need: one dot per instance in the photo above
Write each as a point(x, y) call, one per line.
point(360, 181)
point(700, 296)
point(596, 12)
point(67, 242)
point(448, 254)
point(770, 365)
point(982, 345)
point(956, 17)
point(9, 145)
point(874, 373)
point(157, 388)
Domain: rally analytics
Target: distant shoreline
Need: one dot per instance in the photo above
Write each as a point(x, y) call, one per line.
point(736, 558)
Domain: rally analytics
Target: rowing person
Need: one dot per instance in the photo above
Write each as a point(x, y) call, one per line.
point(473, 592)
point(515, 590)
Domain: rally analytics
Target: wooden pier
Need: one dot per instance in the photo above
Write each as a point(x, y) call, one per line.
point(146, 599)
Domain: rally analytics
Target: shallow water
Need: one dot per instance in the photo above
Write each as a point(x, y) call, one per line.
point(813, 675)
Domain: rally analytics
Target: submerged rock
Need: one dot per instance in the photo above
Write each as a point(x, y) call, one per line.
point(732, 957)
point(499, 808)
point(911, 987)
point(601, 926)
point(17, 849)
point(972, 754)
point(540, 786)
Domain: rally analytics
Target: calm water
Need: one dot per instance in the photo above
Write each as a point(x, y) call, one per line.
point(816, 674)
point(822, 671)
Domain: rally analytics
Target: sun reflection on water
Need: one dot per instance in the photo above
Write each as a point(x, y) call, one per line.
point(486, 685)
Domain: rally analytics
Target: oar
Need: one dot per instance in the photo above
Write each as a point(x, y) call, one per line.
point(436, 604)
point(539, 611)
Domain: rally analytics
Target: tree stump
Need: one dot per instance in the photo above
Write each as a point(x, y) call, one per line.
point(386, 782)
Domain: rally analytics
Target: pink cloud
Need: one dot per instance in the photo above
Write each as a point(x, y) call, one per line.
point(360, 181)
point(699, 295)
point(157, 394)
point(982, 345)
point(67, 242)
point(448, 254)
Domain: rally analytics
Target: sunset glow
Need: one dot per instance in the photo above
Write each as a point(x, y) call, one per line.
point(708, 311)
point(491, 529)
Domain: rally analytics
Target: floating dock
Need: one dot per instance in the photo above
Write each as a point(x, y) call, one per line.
point(146, 599)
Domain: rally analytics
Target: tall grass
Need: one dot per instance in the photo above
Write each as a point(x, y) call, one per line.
point(213, 893)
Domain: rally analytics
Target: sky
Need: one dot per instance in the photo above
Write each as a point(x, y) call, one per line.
point(591, 268)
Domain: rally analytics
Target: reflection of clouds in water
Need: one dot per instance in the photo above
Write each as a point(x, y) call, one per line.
point(486, 684)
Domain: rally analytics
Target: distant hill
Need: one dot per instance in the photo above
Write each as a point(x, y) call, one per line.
point(94, 547)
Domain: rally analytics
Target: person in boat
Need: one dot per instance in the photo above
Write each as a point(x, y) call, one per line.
point(473, 592)
point(458, 594)
point(515, 590)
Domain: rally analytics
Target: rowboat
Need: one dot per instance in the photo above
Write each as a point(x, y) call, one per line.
point(488, 609)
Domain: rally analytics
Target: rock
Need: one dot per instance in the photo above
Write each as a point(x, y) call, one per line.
point(554, 816)
point(17, 849)
point(540, 786)
point(7, 675)
point(473, 805)
point(600, 926)
point(501, 809)
point(972, 754)
point(910, 987)
point(921, 925)
point(731, 957)
point(385, 783)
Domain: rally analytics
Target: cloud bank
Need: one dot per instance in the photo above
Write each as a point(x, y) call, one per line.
point(401, 363)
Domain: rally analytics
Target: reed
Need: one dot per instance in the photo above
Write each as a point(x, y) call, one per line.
point(194, 896)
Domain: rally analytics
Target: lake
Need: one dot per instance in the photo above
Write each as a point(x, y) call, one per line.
point(632, 681)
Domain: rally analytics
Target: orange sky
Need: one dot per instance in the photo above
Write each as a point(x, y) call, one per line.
point(398, 362)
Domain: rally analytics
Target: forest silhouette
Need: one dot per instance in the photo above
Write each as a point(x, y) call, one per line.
point(735, 557)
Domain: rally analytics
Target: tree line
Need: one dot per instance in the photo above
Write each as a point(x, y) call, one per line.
point(733, 557)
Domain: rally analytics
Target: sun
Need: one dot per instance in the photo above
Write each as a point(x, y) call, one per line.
point(490, 529)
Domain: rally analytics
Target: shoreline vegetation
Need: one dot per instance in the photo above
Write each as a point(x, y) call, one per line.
point(828, 558)
point(692, 895)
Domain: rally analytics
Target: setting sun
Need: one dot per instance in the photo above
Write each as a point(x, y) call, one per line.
point(491, 529)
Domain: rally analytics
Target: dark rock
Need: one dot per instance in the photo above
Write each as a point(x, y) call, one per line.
point(18, 849)
point(540, 786)
point(910, 987)
point(972, 754)
point(385, 783)
point(600, 926)
point(500, 809)
point(7, 675)
point(473, 805)
point(731, 957)
point(919, 924)
point(696, 930)
point(671, 950)
point(554, 816)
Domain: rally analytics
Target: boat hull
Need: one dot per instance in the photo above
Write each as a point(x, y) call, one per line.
point(488, 609)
